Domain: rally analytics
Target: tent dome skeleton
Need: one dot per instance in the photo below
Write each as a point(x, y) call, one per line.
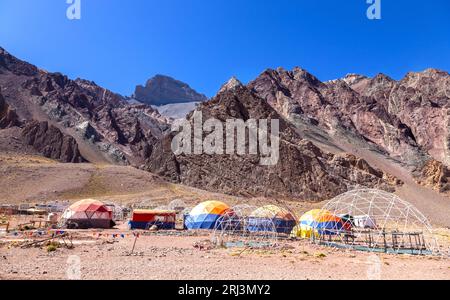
point(283, 220)
point(232, 230)
point(375, 221)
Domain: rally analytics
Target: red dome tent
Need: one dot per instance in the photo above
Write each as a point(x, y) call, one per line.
point(88, 214)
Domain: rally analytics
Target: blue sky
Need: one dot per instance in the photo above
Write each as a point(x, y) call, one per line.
point(119, 44)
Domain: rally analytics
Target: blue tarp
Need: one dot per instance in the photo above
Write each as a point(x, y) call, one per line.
point(147, 225)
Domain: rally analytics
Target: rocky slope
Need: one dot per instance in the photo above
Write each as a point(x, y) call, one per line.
point(406, 120)
point(435, 175)
point(106, 127)
point(304, 171)
point(338, 109)
point(51, 142)
point(163, 90)
point(8, 117)
point(323, 124)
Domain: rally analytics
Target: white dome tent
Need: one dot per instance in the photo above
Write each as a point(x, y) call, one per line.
point(376, 221)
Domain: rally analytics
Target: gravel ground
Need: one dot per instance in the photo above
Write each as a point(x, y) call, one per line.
point(176, 258)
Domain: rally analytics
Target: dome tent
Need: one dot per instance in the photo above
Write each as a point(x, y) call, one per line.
point(88, 214)
point(319, 222)
point(382, 222)
point(270, 218)
point(205, 215)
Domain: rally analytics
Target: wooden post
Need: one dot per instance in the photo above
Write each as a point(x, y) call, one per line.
point(410, 243)
point(134, 244)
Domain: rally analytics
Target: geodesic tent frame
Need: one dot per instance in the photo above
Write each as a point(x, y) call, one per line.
point(377, 221)
point(232, 230)
point(264, 217)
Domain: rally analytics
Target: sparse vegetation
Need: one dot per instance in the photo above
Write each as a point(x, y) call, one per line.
point(52, 246)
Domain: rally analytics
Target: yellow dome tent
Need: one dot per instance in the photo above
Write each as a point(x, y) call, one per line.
point(317, 222)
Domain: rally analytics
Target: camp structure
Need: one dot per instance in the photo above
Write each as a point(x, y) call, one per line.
point(87, 214)
point(375, 221)
point(205, 215)
point(146, 219)
point(271, 218)
point(232, 230)
point(320, 222)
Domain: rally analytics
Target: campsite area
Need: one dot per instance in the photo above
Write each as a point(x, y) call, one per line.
point(159, 256)
point(177, 253)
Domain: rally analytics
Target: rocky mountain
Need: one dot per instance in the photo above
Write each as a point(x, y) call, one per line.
point(106, 127)
point(406, 120)
point(304, 171)
point(163, 90)
point(330, 132)
point(51, 142)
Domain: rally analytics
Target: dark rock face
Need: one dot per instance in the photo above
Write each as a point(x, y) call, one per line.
point(8, 117)
point(303, 171)
point(162, 90)
point(51, 142)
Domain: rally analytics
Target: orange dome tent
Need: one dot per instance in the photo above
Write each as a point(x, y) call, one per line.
point(205, 215)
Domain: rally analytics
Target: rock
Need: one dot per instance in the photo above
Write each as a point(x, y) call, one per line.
point(436, 175)
point(51, 142)
point(107, 123)
point(341, 108)
point(304, 172)
point(162, 90)
point(8, 117)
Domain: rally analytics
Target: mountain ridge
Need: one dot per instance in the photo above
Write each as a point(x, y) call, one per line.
point(317, 118)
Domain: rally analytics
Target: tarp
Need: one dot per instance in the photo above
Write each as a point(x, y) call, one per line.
point(205, 215)
point(145, 219)
point(271, 218)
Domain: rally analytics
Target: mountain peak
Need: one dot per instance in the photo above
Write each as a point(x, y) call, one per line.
point(231, 84)
point(162, 90)
point(353, 78)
